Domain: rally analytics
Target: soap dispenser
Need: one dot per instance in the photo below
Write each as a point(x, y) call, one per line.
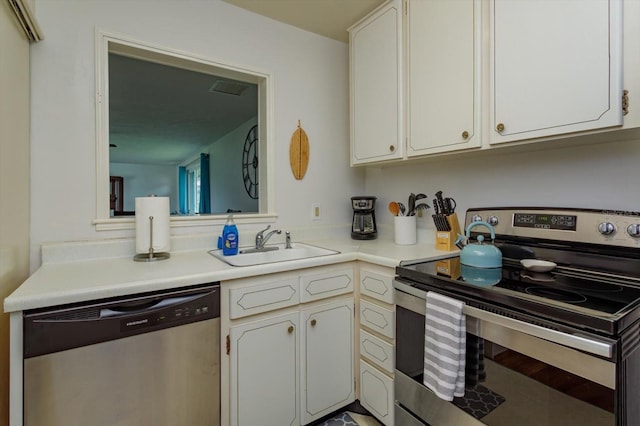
point(230, 237)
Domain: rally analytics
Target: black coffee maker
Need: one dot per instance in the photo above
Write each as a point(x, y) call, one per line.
point(364, 218)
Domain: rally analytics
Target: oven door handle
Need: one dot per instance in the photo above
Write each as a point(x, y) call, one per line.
point(587, 344)
point(413, 299)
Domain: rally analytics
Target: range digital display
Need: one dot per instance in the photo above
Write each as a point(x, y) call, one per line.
point(545, 221)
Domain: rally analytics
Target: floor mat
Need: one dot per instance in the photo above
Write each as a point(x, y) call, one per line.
point(342, 419)
point(478, 401)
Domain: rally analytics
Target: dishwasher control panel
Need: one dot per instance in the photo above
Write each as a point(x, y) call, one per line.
point(72, 326)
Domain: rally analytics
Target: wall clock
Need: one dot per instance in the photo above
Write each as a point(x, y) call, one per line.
point(250, 163)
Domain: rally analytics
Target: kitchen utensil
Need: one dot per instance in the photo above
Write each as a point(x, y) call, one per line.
point(299, 153)
point(441, 206)
point(537, 265)
point(403, 209)
point(417, 208)
point(411, 204)
point(441, 222)
point(394, 208)
point(363, 226)
point(478, 254)
point(450, 205)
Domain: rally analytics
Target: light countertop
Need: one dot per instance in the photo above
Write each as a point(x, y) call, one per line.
point(77, 281)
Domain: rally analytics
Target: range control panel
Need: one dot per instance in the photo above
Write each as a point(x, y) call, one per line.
point(616, 228)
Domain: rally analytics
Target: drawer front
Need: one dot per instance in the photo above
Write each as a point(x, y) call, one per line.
point(377, 351)
point(263, 297)
point(327, 284)
point(377, 285)
point(377, 318)
point(376, 393)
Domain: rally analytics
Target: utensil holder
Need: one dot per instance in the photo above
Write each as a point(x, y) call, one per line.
point(404, 230)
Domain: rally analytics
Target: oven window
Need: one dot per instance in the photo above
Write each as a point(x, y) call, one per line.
point(516, 390)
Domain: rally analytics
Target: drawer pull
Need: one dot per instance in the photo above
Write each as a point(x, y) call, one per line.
point(290, 329)
point(313, 322)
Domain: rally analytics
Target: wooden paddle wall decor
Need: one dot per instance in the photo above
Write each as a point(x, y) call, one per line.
point(299, 152)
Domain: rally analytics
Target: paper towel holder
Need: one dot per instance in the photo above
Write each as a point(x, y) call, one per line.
point(151, 256)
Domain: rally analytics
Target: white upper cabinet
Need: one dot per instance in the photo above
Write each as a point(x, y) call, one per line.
point(555, 67)
point(444, 40)
point(376, 86)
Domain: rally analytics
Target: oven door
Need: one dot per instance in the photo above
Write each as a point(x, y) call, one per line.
point(534, 375)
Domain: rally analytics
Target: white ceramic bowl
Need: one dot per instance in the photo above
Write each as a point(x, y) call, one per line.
point(536, 265)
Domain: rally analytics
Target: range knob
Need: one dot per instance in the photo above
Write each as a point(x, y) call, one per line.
point(492, 220)
point(634, 230)
point(606, 228)
point(476, 218)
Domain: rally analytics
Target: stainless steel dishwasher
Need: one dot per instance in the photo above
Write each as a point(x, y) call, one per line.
point(148, 359)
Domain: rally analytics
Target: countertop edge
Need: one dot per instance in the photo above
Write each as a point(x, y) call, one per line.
point(59, 284)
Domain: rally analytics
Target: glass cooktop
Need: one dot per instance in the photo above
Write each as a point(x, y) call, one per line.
point(560, 293)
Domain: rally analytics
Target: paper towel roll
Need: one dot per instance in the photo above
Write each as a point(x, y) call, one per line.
point(158, 207)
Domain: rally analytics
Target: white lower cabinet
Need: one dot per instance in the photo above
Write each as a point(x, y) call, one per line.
point(264, 372)
point(293, 364)
point(376, 393)
point(376, 338)
point(327, 358)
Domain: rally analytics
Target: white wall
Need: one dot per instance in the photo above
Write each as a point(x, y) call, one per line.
point(227, 183)
point(14, 178)
point(590, 176)
point(311, 85)
point(142, 180)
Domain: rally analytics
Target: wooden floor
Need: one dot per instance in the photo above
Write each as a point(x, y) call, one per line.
point(558, 379)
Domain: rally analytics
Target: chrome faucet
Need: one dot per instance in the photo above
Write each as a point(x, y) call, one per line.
point(287, 240)
point(261, 239)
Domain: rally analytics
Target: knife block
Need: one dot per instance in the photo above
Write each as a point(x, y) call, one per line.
point(446, 240)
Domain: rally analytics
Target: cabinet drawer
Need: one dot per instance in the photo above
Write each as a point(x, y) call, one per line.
point(326, 284)
point(377, 285)
point(264, 297)
point(376, 393)
point(377, 351)
point(377, 318)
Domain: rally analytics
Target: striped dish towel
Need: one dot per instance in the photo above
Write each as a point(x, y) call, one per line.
point(444, 346)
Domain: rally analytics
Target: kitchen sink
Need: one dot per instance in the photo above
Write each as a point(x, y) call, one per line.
point(249, 256)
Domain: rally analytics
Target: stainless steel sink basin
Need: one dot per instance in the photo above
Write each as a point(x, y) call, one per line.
point(272, 253)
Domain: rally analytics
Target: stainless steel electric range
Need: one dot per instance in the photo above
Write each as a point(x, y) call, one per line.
point(559, 341)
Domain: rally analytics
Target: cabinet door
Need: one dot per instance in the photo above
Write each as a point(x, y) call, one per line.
point(377, 393)
point(376, 86)
point(327, 358)
point(264, 372)
point(443, 75)
point(555, 67)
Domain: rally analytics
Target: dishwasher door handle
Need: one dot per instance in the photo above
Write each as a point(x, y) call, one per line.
point(124, 310)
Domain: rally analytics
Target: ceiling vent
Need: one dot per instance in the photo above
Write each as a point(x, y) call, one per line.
point(229, 87)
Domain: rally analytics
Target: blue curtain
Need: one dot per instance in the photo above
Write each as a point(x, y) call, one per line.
point(183, 189)
point(205, 193)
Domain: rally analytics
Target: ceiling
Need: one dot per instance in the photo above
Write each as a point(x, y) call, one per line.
point(329, 18)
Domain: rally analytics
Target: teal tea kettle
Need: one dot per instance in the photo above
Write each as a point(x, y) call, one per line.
point(479, 255)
